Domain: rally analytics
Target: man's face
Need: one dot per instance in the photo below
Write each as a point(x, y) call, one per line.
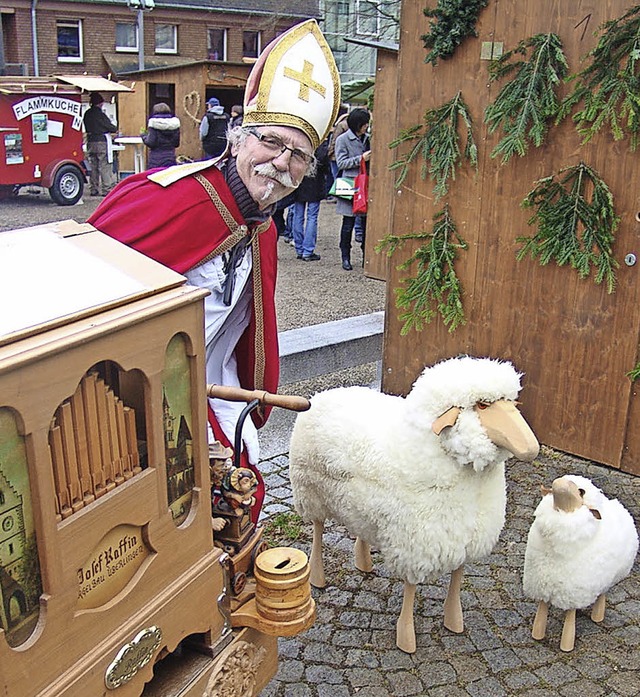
point(269, 173)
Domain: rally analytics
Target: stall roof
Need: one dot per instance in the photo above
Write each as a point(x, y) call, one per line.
point(93, 83)
point(61, 84)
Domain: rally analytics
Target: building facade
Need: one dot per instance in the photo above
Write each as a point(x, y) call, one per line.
point(101, 37)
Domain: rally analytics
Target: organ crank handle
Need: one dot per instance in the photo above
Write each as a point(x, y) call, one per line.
point(237, 394)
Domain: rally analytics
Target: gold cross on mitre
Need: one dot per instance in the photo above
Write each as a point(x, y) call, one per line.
point(306, 81)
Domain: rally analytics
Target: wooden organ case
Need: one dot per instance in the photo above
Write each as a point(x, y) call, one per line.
point(107, 561)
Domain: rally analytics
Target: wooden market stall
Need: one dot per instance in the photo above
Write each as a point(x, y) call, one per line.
point(185, 88)
point(574, 341)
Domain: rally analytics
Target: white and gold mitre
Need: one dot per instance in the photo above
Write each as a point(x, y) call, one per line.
point(295, 82)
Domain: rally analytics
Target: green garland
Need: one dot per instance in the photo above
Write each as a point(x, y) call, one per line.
point(525, 105)
point(455, 21)
point(438, 142)
point(609, 87)
point(435, 288)
point(572, 230)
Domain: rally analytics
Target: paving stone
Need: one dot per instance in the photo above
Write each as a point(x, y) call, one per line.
point(518, 679)
point(501, 659)
point(333, 691)
point(581, 688)
point(290, 671)
point(297, 690)
point(359, 677)
point(557, 674)
point(351, 637)
point(437, 674)
point(403, 683)
point(324, 674)
point(483, 688)
point(321, 653)
point(360, 657)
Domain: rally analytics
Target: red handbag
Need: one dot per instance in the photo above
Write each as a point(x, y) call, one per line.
point(361, 186)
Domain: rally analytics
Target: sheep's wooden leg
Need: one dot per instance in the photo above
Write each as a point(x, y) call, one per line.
point(362, 552)
point(597, 611)
point(453, 620)
point(316, 565)
point(405, 630)
point(568, 631)
point(540, 621)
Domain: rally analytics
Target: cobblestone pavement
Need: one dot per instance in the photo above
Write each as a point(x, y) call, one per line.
point(350, 650)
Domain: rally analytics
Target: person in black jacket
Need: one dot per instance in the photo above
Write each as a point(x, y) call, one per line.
point(307, 206)
point(162, 136)
point(213, 129)
point(97, 124)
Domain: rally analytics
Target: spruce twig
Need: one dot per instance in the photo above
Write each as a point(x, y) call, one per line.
point(455, 20)
point(571, 229)
point(438, 141)
point(609, 87)
point(635, 373)
point(525, 105)
point(435, 288)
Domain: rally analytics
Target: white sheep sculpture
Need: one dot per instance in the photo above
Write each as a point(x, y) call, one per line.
point(579, 546)
point(420, 478)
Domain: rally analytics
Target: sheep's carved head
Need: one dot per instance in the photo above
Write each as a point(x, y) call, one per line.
point(502, 422)
point(568, 497)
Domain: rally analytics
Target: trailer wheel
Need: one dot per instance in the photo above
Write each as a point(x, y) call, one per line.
point(67, 186)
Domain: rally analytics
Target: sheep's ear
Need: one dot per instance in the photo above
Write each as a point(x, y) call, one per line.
point(444, 420)
point(545, 490)
point(595, 513)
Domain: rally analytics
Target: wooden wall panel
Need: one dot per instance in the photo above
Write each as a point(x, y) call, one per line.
point(380, 213)
point(573, 341)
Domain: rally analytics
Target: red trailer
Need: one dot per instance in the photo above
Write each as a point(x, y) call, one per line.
point(41, 133)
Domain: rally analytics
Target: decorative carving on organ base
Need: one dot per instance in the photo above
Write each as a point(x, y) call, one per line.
point(236, 676)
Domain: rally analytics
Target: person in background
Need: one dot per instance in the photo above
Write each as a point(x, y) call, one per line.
point(236, 115)
point(211, 221)
point(97, 125)
point(339, 127)
point(213, 129)
point(307, 206)
point(162, 136)
point(350, 149)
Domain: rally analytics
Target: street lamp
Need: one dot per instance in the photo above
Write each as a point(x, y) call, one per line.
point(140, 6)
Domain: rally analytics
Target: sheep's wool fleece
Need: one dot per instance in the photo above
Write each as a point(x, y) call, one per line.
point(572, 558)
point(372, 462)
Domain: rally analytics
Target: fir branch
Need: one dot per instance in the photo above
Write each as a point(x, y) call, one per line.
point(635, 373)
point(435, 288)
point(609, 87)
point(525, 105)
point(455, 20)
point(571, 229)
point(438, 141)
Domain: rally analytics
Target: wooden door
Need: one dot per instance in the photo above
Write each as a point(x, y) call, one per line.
point(573, 341)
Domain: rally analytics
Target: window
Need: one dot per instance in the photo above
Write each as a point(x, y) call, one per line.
point(251, 44)
point(217, 44)
point(367, 18)
point(166, 38)
point(126, 36)
point(69, 41)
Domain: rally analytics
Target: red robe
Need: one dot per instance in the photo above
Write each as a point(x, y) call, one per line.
point(179, 226)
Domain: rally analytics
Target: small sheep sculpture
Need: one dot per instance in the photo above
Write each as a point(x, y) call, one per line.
point(580, 545)
point(419, 478)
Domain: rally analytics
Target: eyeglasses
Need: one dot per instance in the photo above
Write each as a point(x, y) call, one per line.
point(277, 147)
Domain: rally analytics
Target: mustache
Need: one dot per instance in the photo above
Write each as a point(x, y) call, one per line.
point(267, 169)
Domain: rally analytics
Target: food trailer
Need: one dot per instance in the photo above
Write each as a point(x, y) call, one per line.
point(42, 135)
